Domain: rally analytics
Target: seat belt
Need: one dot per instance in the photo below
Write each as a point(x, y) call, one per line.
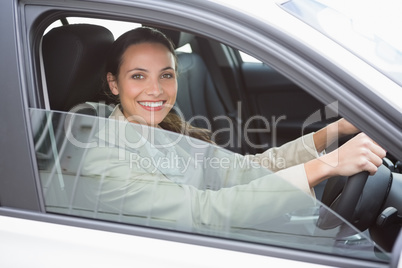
point(234, 113)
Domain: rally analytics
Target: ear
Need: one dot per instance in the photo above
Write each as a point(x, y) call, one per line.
point(111, 80)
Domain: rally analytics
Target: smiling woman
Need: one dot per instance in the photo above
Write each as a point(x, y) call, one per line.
point(145, 82)
point(141, 70)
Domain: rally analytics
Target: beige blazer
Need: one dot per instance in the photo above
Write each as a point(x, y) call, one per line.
point(133, 176)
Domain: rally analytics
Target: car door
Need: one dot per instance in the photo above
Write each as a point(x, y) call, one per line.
point(22, 192)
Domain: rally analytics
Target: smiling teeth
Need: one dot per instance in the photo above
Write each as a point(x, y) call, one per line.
point(152, 104)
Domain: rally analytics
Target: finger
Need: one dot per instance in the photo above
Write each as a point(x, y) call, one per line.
point(377, 149)
point(372, 145)
point(375, 159)
point(370, 167)
point(372, 170)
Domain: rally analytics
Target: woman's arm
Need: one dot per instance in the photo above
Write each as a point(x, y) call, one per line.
point(298, 151)
point(115, 187)
point(329, 134)
point(305, 148)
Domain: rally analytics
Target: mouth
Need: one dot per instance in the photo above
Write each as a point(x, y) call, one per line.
point(152, 105)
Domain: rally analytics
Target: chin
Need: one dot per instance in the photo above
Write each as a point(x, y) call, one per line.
point(154, 122)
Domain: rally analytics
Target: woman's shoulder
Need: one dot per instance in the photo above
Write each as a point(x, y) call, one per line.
point(117, 113)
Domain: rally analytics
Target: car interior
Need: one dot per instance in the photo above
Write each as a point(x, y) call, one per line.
point(213, 81)
point(205, 65)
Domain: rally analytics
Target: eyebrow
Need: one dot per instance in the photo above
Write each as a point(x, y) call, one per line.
point(145, 70)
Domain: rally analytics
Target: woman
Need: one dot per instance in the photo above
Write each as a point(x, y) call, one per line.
point(141, 71)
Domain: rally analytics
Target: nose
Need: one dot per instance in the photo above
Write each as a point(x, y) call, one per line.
point(154, 87)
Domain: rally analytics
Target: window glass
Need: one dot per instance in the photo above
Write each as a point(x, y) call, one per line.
point(106, 169)
point(55, 24)
point(247, 58)
point(116, 27)
point(113, 170)
point(186, 48)
point(367, 28)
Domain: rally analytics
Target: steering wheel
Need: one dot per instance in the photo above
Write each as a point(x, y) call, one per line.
point(344, 203)
point(357, 199)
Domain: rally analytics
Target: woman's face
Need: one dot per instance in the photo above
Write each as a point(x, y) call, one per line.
point(146, 84)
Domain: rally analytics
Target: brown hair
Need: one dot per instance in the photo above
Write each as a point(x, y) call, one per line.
point(175, 123)
point(172, 121)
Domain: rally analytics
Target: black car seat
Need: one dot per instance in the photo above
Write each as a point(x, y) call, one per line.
point(73, 57)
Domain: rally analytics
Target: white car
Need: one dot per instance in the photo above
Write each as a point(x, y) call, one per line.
point(256, 74)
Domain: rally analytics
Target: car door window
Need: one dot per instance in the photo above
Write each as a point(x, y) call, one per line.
point(117, 171)
point(94, 167)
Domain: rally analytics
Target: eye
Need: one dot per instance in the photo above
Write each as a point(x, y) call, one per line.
point(167, 76)
point(137, 76)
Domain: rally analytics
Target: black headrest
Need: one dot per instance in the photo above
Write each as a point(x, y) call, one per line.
point(178, 38)
point(74, 57)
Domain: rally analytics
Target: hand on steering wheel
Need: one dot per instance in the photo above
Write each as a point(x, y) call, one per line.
point(358, 154)
point(357, 159)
